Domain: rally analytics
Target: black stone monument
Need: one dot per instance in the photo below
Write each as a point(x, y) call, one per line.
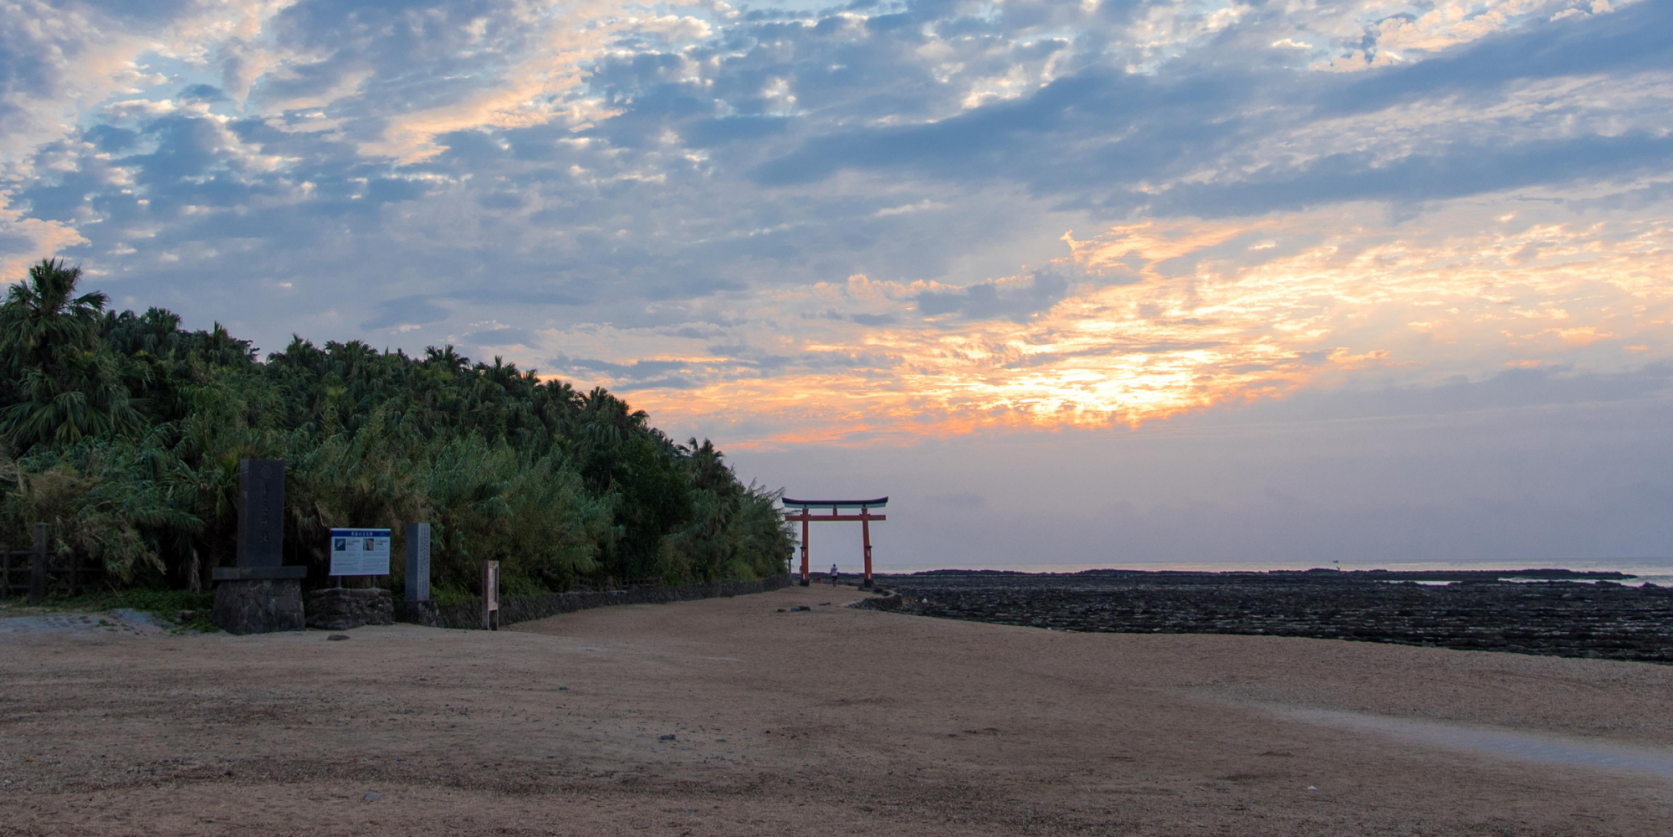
point(260, 595)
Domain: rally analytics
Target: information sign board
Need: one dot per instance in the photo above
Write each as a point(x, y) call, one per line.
point(360, 552)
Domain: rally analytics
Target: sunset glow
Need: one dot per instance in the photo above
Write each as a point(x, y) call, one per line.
point(1255, 320)
point(1382, 238)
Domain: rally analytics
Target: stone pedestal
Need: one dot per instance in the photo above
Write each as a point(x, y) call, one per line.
point(338, 609)
point(258, 606)
point(427, 614)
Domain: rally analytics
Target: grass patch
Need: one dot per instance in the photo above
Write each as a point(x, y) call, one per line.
point(164, 604)
point(167, 603)
point(443, 594)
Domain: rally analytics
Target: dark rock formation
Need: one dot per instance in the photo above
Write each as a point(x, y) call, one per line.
point(1571, 615)
point(339, 609)
point(884, 600)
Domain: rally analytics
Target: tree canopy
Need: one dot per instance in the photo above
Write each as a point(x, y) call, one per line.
point(123, 432)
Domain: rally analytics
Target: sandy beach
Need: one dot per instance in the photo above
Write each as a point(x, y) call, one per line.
point(732, 716)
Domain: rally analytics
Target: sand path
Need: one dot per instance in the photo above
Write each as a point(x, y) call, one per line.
point(832, 721)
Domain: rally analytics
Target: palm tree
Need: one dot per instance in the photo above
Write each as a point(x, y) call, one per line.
point(448, 358)
point(42, 319)
point(88, 401)
point(71, 387)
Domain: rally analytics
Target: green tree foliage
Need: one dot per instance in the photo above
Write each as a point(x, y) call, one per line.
point(64, 383)
point(123, 432)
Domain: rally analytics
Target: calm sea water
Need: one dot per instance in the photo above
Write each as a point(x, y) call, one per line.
point(1657, 571)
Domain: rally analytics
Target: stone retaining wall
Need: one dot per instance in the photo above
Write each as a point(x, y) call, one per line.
point(339, 608)
point(468, 615)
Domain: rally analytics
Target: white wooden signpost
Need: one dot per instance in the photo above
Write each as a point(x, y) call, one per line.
point(491, 595)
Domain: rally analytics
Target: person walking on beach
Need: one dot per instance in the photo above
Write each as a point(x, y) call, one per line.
point(833, 574)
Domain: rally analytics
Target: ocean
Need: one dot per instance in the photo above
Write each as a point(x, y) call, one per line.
point(1658, 571)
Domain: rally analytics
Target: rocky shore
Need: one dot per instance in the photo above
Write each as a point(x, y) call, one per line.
point(1564, 613)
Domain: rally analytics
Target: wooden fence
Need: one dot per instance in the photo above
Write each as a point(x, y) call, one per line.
point(34, 572)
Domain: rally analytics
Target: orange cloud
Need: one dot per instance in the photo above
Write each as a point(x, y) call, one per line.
point(46, 239)
point(1241, 323)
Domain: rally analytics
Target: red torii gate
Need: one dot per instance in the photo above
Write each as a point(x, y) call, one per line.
point(804, 513)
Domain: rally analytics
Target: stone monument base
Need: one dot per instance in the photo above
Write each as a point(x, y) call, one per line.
point(426, 613)
point(338, 609)
point(258, 606)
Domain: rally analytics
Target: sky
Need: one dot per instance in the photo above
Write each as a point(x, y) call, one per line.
point(1082, 283)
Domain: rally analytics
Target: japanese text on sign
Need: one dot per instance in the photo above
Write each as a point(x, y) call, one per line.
point(360, 552)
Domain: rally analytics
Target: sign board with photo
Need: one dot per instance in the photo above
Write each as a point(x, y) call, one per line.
point(360, 552)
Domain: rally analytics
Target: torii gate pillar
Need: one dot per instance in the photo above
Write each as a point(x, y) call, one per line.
point(804, 549)
point(865, 535)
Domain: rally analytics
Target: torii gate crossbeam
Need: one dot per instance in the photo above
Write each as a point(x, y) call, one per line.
point(802, 510)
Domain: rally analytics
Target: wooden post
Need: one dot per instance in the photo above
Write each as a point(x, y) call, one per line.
point(490, 595)
point(804, 548)
point(37, 568)
point(865, 533)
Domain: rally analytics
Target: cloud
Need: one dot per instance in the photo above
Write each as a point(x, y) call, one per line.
point(1016, 298)
point(500, 337)
point(1356, 303)
point(1171, 142)
point(1635, 38)
point(692, 188)
point(634, 375)
point(1453, 173)
point(406, 311)
point(25, 240)
point(203, 93)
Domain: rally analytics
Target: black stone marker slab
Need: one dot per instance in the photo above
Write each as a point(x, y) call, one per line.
point(261, 512)
point(260, 595)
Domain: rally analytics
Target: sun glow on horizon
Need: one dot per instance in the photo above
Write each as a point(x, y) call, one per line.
point(1165, 318)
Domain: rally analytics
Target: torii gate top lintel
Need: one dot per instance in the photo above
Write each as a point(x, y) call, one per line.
point(802, 510)
point(836, 504)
